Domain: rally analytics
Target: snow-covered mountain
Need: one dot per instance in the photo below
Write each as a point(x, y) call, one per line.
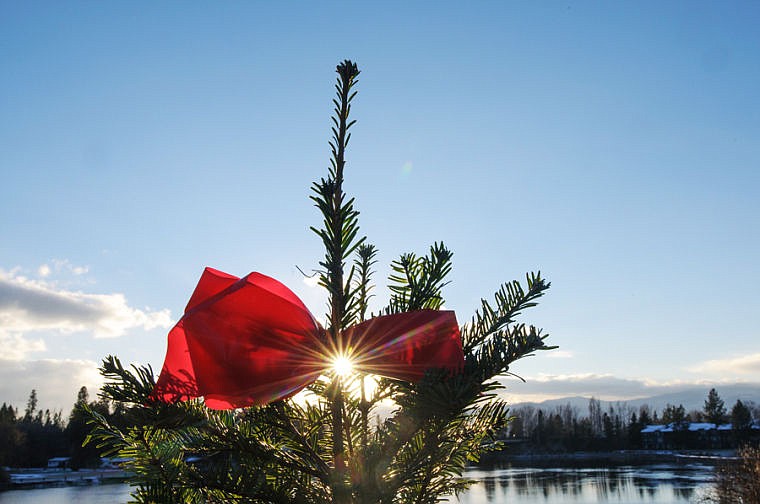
point(692, 397)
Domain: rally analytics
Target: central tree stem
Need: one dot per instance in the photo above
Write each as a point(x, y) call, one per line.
point(347, 72)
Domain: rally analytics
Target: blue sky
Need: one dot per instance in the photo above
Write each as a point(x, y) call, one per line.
point(613, 146)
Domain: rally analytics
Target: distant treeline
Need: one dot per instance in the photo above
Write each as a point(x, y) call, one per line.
point(31, 437)
point(618, 427)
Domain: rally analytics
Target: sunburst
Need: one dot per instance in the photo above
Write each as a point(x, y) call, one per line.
point(342, 366)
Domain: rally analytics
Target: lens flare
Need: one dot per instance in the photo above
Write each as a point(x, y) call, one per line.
point(342, 366)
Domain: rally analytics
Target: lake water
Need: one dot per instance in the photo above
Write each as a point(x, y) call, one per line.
point(661, 484)
point(96, 494)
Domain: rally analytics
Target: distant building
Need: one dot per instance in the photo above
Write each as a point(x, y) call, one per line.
point(693, 435)
point(113, 462)
point(58, 462)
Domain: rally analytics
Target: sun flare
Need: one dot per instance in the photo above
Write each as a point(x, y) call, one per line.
point(342, 366)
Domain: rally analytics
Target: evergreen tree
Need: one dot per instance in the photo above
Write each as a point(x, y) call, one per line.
point(741, 417)
point(83, 396)
point(715, 408)
point(675, 415)
point(77, 431)
point(41, 435)
point(644, 418)
point(741, 421)
point(324, 448)
point(11, 437)
point(31, 407)
point(634, 431)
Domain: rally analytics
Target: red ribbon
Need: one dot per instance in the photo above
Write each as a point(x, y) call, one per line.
point(250, 340)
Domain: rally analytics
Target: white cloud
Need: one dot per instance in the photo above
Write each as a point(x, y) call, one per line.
point(34, 305)
point(63, 265)
point(14, 346)
point(745, 365)
point(56, 382)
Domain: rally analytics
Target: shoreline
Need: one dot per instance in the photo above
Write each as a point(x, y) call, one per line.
point(30, 478)
point(616, 458)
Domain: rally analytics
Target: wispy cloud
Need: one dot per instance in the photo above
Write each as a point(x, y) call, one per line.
point(61, 266)
point(745, 365)
point(28, 305)
point(13, 346)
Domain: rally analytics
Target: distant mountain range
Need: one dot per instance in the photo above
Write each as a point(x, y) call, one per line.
point(691, 397)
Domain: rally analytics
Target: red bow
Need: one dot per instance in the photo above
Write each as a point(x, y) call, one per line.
point(250, 340)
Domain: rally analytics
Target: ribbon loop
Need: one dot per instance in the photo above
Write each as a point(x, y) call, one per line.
point(251, 341)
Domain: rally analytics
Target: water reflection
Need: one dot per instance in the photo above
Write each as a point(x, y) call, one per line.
point(663, 484)
point(96, 494)
point(624, 484)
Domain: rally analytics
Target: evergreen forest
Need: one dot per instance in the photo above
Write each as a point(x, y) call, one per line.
point(29, 437)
